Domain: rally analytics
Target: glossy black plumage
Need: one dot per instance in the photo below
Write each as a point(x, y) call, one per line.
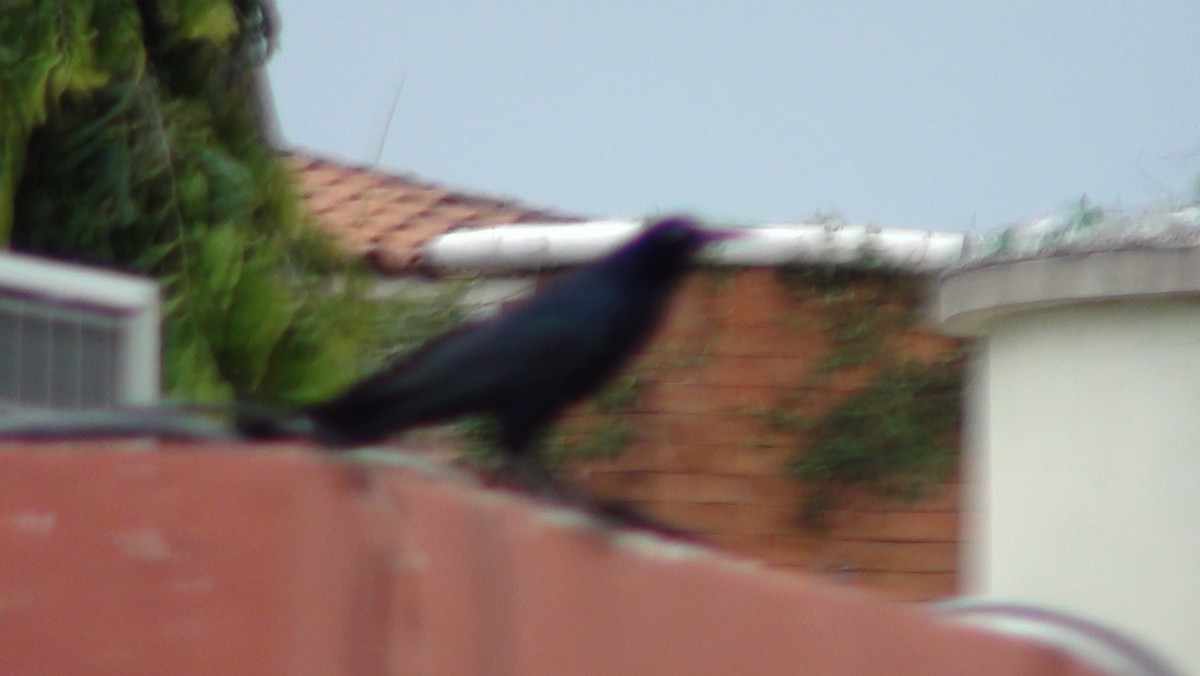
point(527, 364)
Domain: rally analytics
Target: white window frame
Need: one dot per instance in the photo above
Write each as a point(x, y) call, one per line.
point(134, 299)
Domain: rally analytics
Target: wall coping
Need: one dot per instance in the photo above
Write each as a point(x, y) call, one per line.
point(968, 300)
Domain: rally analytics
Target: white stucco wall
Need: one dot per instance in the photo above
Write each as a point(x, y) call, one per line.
point(1085, 466)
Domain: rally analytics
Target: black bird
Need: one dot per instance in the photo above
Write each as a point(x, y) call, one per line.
point(527, 364)
point(522, 367)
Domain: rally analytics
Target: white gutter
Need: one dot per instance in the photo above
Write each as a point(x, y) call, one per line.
point(530, 246)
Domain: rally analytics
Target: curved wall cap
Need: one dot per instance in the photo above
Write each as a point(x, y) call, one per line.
point(967, 299)
point(1095, 644)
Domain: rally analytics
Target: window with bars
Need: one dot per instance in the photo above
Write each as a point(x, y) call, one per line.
point(75, 337)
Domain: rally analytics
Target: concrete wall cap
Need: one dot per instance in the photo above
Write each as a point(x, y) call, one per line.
point(968, 299)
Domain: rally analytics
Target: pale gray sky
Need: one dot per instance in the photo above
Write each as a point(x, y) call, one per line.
point(934, 115)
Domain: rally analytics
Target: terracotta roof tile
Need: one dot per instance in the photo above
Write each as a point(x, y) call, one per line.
point(386, 217)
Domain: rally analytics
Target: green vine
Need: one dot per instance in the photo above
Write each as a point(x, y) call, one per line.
point(862, 308)
point(607, 431)
point(894, 436)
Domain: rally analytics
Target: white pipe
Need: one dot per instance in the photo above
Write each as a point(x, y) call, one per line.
point(517, 247)
point(513, 247)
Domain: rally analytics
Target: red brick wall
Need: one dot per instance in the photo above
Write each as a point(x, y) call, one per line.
point(704, 459)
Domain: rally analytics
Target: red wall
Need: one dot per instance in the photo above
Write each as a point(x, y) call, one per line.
point(274, 560)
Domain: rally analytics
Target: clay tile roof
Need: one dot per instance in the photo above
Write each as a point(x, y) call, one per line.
point(386, 217)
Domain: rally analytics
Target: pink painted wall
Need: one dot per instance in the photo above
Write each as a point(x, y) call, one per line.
point(192, 559)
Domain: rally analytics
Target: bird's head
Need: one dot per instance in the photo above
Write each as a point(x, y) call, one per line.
point(682, 234)
point(667, 245)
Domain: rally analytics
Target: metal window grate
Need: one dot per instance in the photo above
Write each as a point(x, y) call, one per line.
point(74, 337)
point(67, 357)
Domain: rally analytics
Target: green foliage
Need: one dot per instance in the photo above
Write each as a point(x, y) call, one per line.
point(895, 436)
point(478, 435)
point(604, 439)
point(48, 49)
point(623, 394)
point(1086, 215)
point(1082, 220)
point(862, 308)
point(131, 141)
point(406, 320)
point(607, 431)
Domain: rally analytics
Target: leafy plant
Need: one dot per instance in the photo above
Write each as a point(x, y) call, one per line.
point(1082, 220)
point(894, 437)
point(131, 139)
point(862, 308)
point(405, 320)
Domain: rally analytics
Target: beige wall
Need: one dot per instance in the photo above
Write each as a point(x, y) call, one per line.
point(1086, 447)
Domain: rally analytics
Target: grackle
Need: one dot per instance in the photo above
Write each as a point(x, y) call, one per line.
point(525, 365)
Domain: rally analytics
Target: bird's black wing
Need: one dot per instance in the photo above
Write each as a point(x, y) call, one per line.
point(542, 348)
